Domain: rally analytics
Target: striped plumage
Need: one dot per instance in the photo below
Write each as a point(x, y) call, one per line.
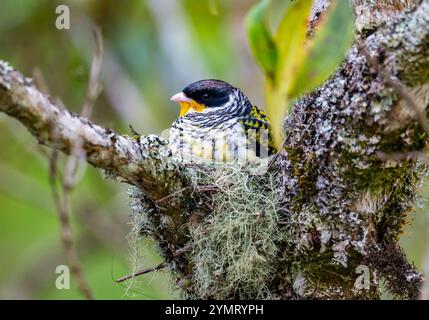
point(218, 123)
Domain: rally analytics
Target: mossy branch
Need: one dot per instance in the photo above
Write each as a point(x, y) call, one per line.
point(329, 208)
point(352, 204)
point(143, 162)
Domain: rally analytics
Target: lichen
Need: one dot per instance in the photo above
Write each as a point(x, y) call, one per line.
point(328, 206)
point(236, 247)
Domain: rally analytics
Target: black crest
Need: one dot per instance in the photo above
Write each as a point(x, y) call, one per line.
point(211, 93)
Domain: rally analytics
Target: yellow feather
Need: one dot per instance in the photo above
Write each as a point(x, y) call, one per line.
point(185, 107)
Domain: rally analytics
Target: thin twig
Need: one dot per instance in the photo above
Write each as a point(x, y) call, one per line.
point(275, 157)
point(68, 181)
point(183, 250)
point(172, 195)
point(208, 188)
point(93, 88)
point(134, 132)
point(424, 292)
point(92, 92)
point(141, 272)
point(62, 205)
point(40, 81)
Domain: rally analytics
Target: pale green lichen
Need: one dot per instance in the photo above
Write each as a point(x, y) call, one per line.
point(236, 247)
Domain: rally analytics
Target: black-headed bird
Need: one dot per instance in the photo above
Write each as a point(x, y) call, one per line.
point(218, 123)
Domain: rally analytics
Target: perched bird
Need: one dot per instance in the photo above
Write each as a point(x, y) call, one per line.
point(218, 123)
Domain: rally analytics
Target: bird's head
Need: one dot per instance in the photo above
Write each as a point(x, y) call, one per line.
point(205, 95)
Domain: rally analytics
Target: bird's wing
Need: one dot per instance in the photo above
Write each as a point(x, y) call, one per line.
point(258, 130)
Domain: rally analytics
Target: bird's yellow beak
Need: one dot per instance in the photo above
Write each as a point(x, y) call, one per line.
point(186, 104)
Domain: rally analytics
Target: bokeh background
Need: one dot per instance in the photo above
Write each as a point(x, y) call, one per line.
point(153, 48)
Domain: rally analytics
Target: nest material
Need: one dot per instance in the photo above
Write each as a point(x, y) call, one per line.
point(236, 246)
point(235, 251)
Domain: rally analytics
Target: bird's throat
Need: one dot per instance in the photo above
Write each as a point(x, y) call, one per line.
point(186, 107)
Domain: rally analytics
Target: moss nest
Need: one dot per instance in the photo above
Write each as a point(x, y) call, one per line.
point(235, 245)
point(235, 248)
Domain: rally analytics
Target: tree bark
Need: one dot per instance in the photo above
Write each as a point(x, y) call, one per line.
point(339, 207)
point(130, 159)
point(371, 14)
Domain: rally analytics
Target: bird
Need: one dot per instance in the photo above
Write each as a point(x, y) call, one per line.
point(217, 123)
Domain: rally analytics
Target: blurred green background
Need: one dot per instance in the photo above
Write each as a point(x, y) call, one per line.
point(153, 48)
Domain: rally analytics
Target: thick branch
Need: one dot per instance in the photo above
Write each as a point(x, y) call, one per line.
point(371, 14)
point(143, 162)
point(338, 194)
point(340, 205)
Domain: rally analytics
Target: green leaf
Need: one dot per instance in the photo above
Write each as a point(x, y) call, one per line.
point(260, 38)
point(290, 40)
point(326, 51)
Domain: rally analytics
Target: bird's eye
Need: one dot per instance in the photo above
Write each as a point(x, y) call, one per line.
point(206, 96)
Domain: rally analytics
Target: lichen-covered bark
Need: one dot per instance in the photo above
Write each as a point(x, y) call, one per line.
point(141, 162)
point(329, 208)
point(350, 205)
point(370, 14)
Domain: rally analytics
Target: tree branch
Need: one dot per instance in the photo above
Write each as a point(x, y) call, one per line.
point(371, 14)
point(143, 162)
point(350, 202)
point(335, 204)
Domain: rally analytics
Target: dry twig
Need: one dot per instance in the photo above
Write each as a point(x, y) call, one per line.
point(424, 292)
point(68, 180)
point(141, 272)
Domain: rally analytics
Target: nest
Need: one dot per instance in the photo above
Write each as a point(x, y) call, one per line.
point(236, 246)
